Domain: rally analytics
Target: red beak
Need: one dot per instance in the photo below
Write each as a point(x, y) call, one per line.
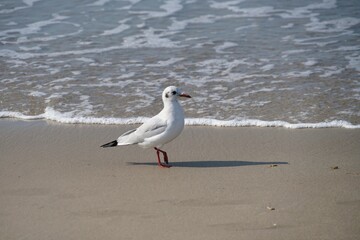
point(184, 95)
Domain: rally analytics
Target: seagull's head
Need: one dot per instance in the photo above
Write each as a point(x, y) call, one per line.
point(172, 93)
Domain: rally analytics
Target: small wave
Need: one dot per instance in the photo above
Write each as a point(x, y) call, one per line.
point(35, 27)
point(98, 3)
point(261, 123)
point(53, 115)
point(224, 46)
point(331, 26)
point(116, 30)
point(166, 62)
point(28, 3)
point(70, 118)
point(167, 9)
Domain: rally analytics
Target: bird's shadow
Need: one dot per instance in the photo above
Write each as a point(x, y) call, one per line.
point(211, 163)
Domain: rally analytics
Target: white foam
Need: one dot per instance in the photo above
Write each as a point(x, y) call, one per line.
point(63, 80)
point(10, 114)
point(80, 42)
point(116, 30)
point(166, 62)
point(336, 25)
point(36, 26)
point(37, 94)
point(53, 115)
point(85, 59)
point(170, 7)
point(180, 25)
point(28, 3)
point(260, 103)
point(16, 63)
point(260, 123)
point(264, 11)
point(30, 48)
point(98, 3)
point(354, 62)
point(296, 51)
point(48, 38)
point(225, 45)
point(71, 118)
point(346, 48)
point(239, 29)
point(133, 2)
point(298, 73)
point(267, 67)
point(330, 71)
point(306, 11)
point(291, 52)
point(54, 71)
point(149, 39)
point(222, 67)
point(227, 5)
point(325, 4)
point(119, 29)
point(12, 23)
point(15, 55)
point(261, 90)
point(289, 25)
point(26, 55)
point(310, 62)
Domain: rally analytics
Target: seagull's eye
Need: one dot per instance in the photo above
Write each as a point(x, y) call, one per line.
point(174, 92)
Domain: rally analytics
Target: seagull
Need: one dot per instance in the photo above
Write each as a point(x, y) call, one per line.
point(158, 130)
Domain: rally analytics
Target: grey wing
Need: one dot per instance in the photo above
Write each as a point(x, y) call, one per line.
point(128, 132)
point(127, 138)
point(152, 127)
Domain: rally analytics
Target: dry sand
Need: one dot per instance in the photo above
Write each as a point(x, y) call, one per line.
point(225, 183)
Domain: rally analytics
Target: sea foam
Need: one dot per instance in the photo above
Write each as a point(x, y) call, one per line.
point(70, 118)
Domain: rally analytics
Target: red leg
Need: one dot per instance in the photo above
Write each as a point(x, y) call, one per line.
point(158, 156)
point(166, 160)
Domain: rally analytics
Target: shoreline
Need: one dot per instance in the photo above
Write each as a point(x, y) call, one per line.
point(52, 115)
point(225, 183)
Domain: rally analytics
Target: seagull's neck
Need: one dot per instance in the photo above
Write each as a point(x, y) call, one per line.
point(171, 104)
point(172, 107)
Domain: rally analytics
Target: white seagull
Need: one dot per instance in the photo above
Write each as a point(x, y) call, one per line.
point(160, 129)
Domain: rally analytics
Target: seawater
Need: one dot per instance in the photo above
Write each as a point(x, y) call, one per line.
point(246, 63)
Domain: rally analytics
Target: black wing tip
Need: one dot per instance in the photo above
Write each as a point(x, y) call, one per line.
point(110, 144)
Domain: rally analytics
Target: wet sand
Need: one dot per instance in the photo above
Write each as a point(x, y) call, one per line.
point(225, 183)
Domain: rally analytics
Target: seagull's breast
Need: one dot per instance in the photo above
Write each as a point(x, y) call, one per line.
point(174, 118)
point(176, 125)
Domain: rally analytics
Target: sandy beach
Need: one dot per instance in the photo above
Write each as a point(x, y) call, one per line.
point(225, 183)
